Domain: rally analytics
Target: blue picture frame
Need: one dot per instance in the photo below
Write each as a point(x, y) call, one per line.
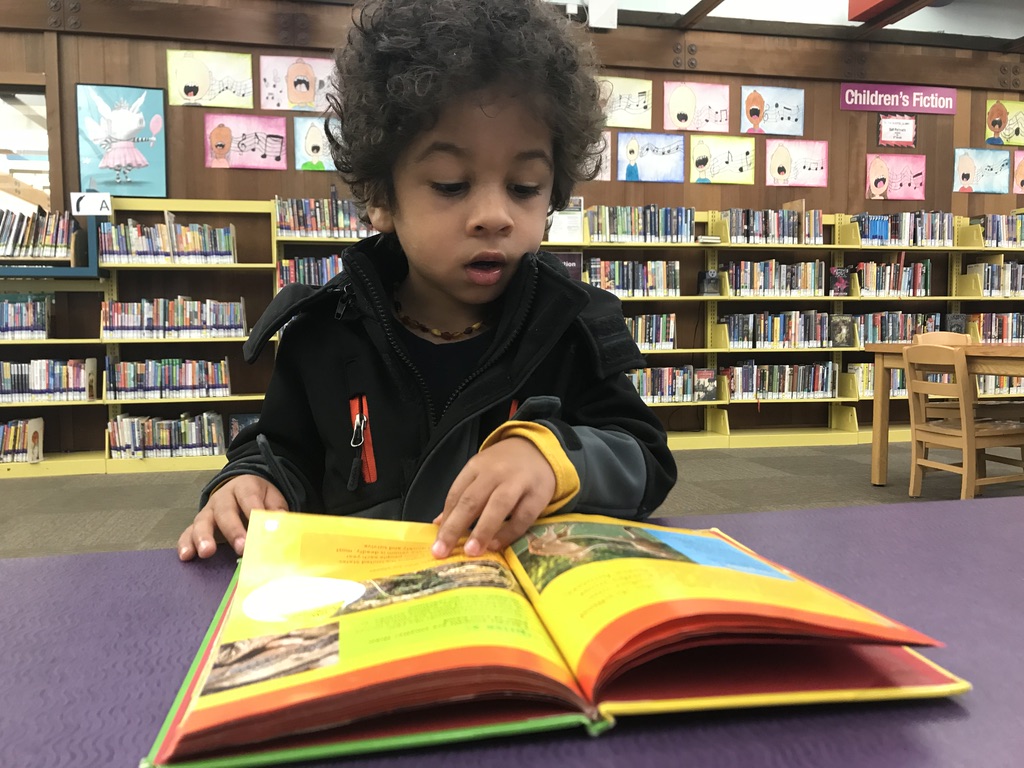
point(122, 145)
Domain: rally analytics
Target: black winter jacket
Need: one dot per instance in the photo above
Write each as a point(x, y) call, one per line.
point(347, 426)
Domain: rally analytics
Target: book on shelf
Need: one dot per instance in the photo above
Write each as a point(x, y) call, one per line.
point(705, 385)
point(842, 331)
point(839, 281)
point(955, 322)
point(566, 225)
point(709, 283)
point(709, 239)
point(21, 441)
point(341, 635)
point(239, 421)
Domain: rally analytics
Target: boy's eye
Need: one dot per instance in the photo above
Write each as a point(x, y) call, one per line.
point(445, 188)
point(525, 190)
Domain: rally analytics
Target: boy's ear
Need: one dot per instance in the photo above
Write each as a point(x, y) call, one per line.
point(381, 218)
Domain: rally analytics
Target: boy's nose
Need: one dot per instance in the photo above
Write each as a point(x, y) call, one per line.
point(490, 211)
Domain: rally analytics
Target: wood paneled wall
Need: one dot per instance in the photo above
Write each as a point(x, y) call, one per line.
point(110, 42)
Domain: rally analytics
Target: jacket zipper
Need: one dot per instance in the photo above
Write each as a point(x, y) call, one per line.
point(364, 464)
point(382, 313)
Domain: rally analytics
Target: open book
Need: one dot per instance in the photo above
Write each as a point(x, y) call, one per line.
point(344, 635)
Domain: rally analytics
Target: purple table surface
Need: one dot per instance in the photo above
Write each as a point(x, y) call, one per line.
point(95, 646)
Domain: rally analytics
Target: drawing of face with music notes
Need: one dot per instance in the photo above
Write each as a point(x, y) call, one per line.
point(209, 78)
point(252, 141)
point(982, 170)
point(772, 110)
point(651, 157)
point(692, 106)
point(722, 160)
point(1018, 174)
point(626, 101)
point(1004, 119)
point(895, 177)
point(796, 163)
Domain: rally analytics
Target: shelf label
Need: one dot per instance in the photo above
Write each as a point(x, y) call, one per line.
point(90, 203)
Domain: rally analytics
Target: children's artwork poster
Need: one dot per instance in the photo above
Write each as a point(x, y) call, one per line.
point(122, 148)
point(605, 174)
point(697, 107)
point(245, 141)
point(1004, 122)
point(767, 109)
point(796, 163)
point(722, 159)
point(1018, 172)
point(895, 177)
point(312, 152)
point(209, 79)
point(897, 130)
point(288, 82)
point(651, 157)
point(981, 170)
point(627, 101)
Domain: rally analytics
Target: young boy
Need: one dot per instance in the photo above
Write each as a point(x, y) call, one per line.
point(451, 373)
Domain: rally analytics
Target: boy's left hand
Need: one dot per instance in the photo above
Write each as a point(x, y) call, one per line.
point(503, 489)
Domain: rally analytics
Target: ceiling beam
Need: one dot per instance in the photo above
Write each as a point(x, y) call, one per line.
point(694, 16)
point(896, 13)
point(1014, 46)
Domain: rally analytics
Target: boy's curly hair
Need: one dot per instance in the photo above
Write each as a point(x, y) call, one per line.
point(405, 59)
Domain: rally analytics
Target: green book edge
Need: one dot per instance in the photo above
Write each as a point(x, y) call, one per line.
point(339, 749)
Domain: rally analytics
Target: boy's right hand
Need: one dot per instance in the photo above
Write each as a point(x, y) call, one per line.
point(224, 512)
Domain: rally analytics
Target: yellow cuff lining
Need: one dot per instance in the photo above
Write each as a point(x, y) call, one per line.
point(567, 480)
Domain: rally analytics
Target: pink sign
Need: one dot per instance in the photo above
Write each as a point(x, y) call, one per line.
point(871, 97)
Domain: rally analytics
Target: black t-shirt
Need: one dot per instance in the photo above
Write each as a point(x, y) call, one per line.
point(445, 366)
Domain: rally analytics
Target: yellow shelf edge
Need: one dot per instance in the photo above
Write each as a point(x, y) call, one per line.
point(184, 205)
point(179, 464)
point(58, 465)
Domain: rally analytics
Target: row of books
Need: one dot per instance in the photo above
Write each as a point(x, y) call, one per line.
point(1006, 279)
point(48, 380)
point(633, 278)
point(896, 326)
point(177, 318)
point(1001, 230)
point(639, 224)
point(999, 327)
point(864, 376)
point(309, 270)
point(806, 329)
point(319, 217)
point(166, 243)
point(895, 279)
point(21, 441)
point(774, 278)
point(654, 331)
point(25, 317)
point(684, 384)
point(773, 227)
point(141, 437)
point(910, 228)
point(167, 378)
point(35, 235)
point(751, 381)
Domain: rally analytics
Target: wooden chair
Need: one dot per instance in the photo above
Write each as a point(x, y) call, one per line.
point(962, 430)
point(1012, 410)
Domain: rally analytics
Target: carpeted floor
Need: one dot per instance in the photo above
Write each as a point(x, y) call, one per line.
point(93, 513)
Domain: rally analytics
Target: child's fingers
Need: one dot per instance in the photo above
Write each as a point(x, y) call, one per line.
point(502, 504)
point(466, 500)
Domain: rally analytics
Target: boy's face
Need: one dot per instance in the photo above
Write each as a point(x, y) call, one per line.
point(472, 197)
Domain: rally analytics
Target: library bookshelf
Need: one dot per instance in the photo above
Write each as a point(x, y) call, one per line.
point(76, 434)
point(841, 416)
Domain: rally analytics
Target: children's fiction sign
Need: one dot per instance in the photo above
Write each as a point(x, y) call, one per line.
point(871, 97)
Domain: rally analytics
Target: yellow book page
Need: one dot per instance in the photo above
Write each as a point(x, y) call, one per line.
point(325, 605)
point(599, 582)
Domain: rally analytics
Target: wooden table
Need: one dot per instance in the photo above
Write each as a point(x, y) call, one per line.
point(1000, 359)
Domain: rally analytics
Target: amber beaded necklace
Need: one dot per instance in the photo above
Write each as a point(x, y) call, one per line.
point(416, 325)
